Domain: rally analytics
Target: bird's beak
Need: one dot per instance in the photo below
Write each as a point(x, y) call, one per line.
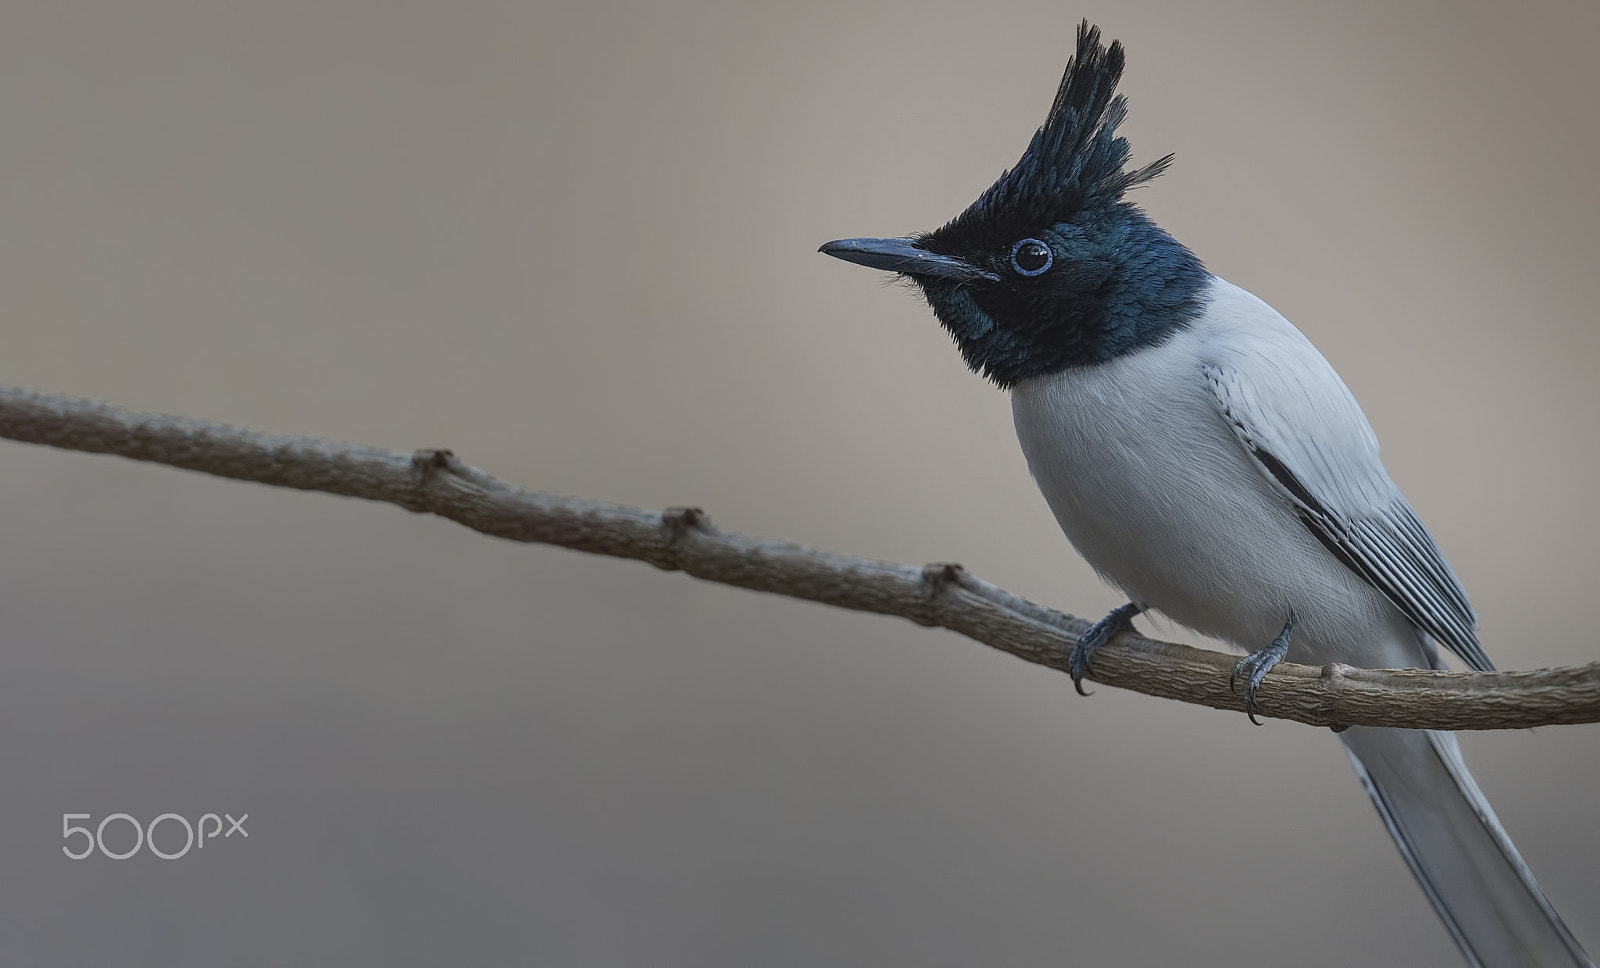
point(904, 256)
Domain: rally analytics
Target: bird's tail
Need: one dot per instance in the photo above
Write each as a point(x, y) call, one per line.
point(1456, 847)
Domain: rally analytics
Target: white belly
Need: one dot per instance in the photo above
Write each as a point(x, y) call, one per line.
point(1158, 495)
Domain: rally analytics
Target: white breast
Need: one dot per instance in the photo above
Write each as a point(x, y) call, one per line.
point(1156, 492)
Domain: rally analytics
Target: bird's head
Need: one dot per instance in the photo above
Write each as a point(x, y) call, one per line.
point(1051, 268)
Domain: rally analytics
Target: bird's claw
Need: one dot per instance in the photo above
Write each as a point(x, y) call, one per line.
point(1255, 666)
point(1096, 635)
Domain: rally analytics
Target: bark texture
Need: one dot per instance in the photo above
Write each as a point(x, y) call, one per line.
point(683, 539)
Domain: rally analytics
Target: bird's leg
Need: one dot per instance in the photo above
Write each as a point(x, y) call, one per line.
point(1096, 635)
point(1255, 666)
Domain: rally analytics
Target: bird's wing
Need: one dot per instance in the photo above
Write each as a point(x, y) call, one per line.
point(1305, 432)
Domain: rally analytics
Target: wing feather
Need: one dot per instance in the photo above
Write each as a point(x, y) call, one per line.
point(1309, 437)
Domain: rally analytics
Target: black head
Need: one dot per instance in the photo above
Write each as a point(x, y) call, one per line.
point(1051, 268)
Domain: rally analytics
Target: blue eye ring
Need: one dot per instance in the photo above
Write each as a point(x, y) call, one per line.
point(1049, 258)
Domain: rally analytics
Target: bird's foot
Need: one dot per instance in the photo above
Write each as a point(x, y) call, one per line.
point(1096, 635)
point(1255, 666)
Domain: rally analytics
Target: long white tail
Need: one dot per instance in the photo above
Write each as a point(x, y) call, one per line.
point(1460, 854)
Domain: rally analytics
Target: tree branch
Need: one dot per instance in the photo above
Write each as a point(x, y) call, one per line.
point(683, 539)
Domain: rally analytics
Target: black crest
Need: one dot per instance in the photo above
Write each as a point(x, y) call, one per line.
point(1076, 158)
point(1052, 268)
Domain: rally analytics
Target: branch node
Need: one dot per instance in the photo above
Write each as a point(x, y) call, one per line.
point(441, 465)
point(937, 578)
point(940, 575)
point(429, 461)
point(676, 525)
point(677, 522)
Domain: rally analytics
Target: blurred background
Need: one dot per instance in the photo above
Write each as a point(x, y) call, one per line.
point(576, 243)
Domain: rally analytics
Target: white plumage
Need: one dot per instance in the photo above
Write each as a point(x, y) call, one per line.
point(1152, 484)
point(1226, 476)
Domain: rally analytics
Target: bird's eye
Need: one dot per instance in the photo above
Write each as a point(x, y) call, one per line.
point(1030, 257)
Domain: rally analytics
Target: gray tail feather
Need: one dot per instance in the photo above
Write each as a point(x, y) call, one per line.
point(1456, 847)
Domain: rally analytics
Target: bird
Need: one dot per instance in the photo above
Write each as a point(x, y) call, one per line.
point(1206, 460)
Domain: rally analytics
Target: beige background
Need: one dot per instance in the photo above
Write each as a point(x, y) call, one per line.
point(575, 242)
